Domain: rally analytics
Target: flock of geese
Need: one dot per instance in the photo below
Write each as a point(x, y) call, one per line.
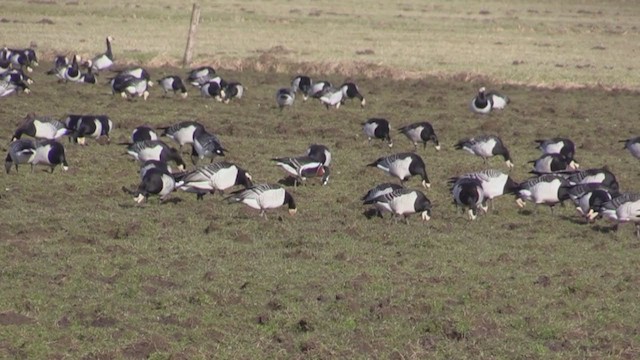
point(557, 178)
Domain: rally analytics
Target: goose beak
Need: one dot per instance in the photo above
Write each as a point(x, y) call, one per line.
point(425, 216)
point(292, 211)
point(520, 202)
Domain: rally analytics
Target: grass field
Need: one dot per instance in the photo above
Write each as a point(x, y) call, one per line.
point(86, 273)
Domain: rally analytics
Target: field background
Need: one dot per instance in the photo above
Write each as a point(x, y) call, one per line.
point(86, 273)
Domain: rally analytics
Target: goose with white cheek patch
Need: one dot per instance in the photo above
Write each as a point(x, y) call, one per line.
point(212, 89)
point(562, 146)
point(20, 60)
point(72, 72)
point(633, 145)
point(589, 197)
point(200, 76)
point(494, 183)
point(155, 181)
point(420, 132)
point(480, 104)
point(17, 75)
point(302, 83)
point(319, 153)
point(20, 152)
point(233, 90)
point(49, 153)
point(621, 209)
point(264, 197)
point(468, 194)
point(336, 98)
point(404, 202)
point(403, 166)
point(285, 97)
point(351, 91)
point(174, 84)
point(602, 176)
point(155, 150)
point(486, 146)
point(218, 176)
point(93, 126)
point(377, 128)
point(129, 86)
point(302, 167)
point(205, 145)
point(182, 132)
point(40, 128)
point(548, 189)
point(142, 133)
point(377, 191)
point(550, 163)
point(102, 61)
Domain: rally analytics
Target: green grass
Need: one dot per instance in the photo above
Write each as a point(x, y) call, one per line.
point(86, 273)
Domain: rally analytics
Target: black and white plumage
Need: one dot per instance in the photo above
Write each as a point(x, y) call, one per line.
point(264, 197)
point(16, 76)
point(302, 83)
point(589, 197)
point(129, 86)
point(174, 84)
point(93, 126)
point(403, 166)
point(156, 181)
point(420, 132)
point(49, 153)
point(22, 58)
point(337, 97)
point(142, 133)
point(351, 91)
point(562, 146)
point(285, 97)
point(72, 72)
point(102, 61)
point(621, 209)
point(212, 89)
point(320, 88)
point(233, 90)
point(486, 146)
point(205, 145)
point(218, 176)
point(548, 189)
point(200, 76)
point(633, 145)
point(379, 190)
point(484, 103)
point(377, 128)
point(20, 151)
point(10, 86)
point(154, 164)
point(59, 62)
point(40, 128)
point(550, 163)
point(137, 72)
point(403, 202)
point(182, 132)
point(602, 176)
point(302, 167)
point(155, 150)
point(319, 153)
point(468, 193)
point(494, 183)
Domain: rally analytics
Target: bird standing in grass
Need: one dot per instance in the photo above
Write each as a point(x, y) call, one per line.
point(403, 202)
point(486, 146)
point(264, 197)
point(420, 132)
point(403, 166)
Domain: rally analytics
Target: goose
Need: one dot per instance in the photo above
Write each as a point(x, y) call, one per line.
point(87, 125)
point(17, 75)
point(156, 181)
point(102, 61)
point(302, 167)
point(285, 97)
point(633, 145)
point(602, 176)
point(302, 83)
point(155, 150)
point(215, 176)
point(320, 89)
point(173, 83)
point(498, 101)
point(142, 133)
point(264, 197)
point(377, 128)
point(319, 153)
point(137, 72)
point(481, 104)
point(88, 77)
point(403, 166)
point(621, 209)
point(351, 91)
point(494, 183)
point(20, 151)
point(468, 193)
point(21, 60)
point(332, 98)
point(205, 145)
point(50, 153)
point(182, 132)
point(486, 146)
point(562, 146)
point(233, 90)
point(550, 163)
point(129, 86)
point(40, 128)
point(588, 197)
point(420, 132)
point(72, 72)
point(379, 190)
point(59, 68)
point(5, 64)
point(212, 89)
point(336, 97)
point(548, 189)
point(404, 202)
point(8, 87)
point(200, 76)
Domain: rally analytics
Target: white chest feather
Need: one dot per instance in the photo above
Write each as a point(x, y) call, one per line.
point(545, 192)
point(224, 178)
point(484, 148)
point(629, 211)
point(404, 204)
point(400, 168)
point(553, 148)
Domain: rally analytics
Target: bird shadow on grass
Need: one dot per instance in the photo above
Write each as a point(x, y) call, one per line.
point(371, 213)
point(575, 220)
point(288, 181)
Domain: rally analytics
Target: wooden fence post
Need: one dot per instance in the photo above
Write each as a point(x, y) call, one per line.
point(195, 19)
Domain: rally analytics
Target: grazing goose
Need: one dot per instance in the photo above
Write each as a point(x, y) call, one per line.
point(233, 90)
point(20, 152)
point(102, 61)
point(550, 163)
point(339, 96)
point(468, 193)
point(49, 153)
point(404, 202)
point(142, 133)
point(40, 128)
point(155, 150)
point(205, 145)
point(549, 189)
point(129, 86)
point(302, 83)
point(93, 126)
point(212, 89)
point(264, 197)
point(285, 97)
point(173, 83)
point(623, 208)
point(494, 183)
point(562, 146)
point(156, 181)
point(137, 72)
point(319, 153)
point(20, 60)
point(377, 128)
point(200, 76)
point(302, 167)
point(154, 164)
point(351, 91)
point(589, 197)
point(486, 146)
point(320, 89)
point(182, 132)
point(8, 87)
point(403, 166)
point(633, 145)
point(215, 176)
point(602, 176)
point(379, 190)
point(420, 132)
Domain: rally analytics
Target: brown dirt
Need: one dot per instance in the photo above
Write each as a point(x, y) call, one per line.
point(12, 318)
